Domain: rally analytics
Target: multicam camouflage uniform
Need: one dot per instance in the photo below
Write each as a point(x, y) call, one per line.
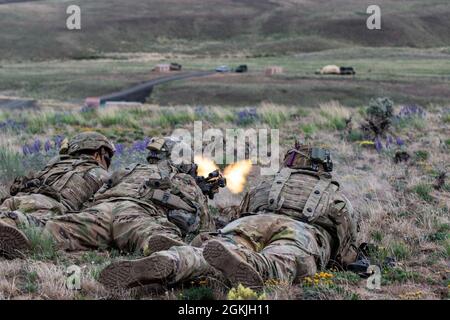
point(135, 203)
point(297, 223)
point(66, 183)
point(141, 201)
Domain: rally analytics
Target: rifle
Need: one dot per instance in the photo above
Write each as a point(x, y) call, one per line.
point(211, 184)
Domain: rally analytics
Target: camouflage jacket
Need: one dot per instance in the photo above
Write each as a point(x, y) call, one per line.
point(70, 180)
point(310, 197)
point(162, 186)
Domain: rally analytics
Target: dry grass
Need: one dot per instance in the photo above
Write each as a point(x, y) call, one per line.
point(406, 222)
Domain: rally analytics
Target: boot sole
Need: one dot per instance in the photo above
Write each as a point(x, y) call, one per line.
point(13, 242)
point(130, 274)
point(159, 243)
point(231, 265)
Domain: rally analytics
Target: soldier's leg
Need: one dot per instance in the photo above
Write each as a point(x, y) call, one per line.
point(89, 229)
point(179, 263)
point(22, 212)
point(33, 208)
point(296, 250)
point(134, 225)
point(263, 247)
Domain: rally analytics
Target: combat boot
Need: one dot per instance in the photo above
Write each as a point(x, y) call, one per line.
point(13, 242)
point(133, 273)
point(232, 265)
point(158, 243)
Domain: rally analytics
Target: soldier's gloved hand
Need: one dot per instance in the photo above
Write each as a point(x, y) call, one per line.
point(187, 222)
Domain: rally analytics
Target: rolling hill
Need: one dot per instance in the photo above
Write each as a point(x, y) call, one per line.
point(35, 30)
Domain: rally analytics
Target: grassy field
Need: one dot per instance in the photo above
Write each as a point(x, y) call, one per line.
point(401, 211)
point(407, 75)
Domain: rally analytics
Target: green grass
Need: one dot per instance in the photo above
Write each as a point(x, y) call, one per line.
point(10, 164)
point(377, 235)
point(400, 250)
point(347, 277)
point(93, 257)
point(398, 275)
point(424, 192)
point(355, 135)
point(197, 293)
point(121, 119)
point(421, 155)
point(309, 129)
point(274, 119)
point(30, 282)
point(43, 247)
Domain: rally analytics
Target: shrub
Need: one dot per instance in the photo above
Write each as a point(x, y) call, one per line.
point(378, 117)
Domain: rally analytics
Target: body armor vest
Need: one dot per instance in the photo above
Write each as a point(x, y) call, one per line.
point(160, 185)
point(310, 197)
point(71, 181)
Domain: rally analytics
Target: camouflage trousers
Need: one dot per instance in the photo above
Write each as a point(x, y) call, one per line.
point(277, 246)
point(29, 209)
point(121, 224)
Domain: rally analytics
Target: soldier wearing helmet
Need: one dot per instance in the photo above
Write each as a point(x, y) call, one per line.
point(292, 225)
point(65, 184)
point(135, 204)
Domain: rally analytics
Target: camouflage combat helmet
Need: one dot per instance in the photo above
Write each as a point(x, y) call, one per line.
point(160, 148)
point(89, 140)
point(307, 157)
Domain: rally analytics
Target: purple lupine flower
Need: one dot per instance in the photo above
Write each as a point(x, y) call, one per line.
point(200, 111)
point(12, 124)
point(26, 150)
point(120, 148)
point(389, 141)
point(36, 147)
point(409, 111)
point(58, 140)
point(246, 116)
point(378, 144)
point(399, 141)
point(47, 146)
point(140, 145)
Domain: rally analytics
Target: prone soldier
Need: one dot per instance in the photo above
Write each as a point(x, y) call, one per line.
point(291, 226)
point(135, 204)
point(64, 185)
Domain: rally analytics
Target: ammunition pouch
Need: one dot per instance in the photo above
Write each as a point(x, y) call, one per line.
point(33, 185)
point(167, 199)
point(188, 222)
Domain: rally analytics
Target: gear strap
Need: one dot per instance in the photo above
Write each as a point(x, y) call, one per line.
point(314, 198)
point(169, 199)
point(275, 201)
